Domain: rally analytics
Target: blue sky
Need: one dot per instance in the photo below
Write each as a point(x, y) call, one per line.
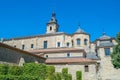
point(29, 17)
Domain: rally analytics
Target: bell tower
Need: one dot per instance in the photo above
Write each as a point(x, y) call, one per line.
point(52, 25)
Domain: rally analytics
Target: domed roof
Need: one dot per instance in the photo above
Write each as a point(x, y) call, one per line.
point(79, 30)
point(104, 37)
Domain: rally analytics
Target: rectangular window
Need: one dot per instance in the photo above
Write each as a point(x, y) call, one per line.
point(45, 44)
point(86, 68)
point(68, 44)
point(107, 51)
point(32, 45)
point(23, 47)
point(58, 44)
point(68, 54)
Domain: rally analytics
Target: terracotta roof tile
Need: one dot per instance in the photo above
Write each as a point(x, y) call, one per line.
point(57, 50)
point(69, 60)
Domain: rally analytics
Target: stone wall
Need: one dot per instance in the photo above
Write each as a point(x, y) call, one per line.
point(14, 57)
point(107, 71)
point(73, 67)
point(60, 55)
point(52, 40)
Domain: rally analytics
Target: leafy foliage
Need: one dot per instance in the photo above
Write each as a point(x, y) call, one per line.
point(58, 76)
point(116, 53)
point(3, 69)
point(32, 71)
point(50, 72)
point(79, 75)
point(65, 74)
point(15, 70)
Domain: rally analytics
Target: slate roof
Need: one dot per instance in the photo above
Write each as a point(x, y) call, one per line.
point(92, 55)
point(105, 43)
point(104, 37)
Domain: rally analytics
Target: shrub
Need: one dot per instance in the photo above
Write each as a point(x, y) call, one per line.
point(3, 69)
point(58, 76)
point(78, 75)
point(50, 72)
point(65, 73)
point(69, 77)
point(15, 70)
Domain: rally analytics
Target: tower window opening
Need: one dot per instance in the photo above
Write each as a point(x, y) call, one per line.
point(50, 28)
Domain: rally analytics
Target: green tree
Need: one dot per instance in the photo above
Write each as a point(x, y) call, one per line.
point(115, 55)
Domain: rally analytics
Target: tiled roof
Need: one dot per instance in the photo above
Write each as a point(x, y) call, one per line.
point(35, 36)
point(69, 60)
point(57, 50)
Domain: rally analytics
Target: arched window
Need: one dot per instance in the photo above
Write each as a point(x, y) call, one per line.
point(85, 41)
point(50, 28)
point(78, 41)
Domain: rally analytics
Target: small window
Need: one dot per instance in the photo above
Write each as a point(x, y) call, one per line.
point(32, 45)
point(58, 44)
point(23, 47)
point(45, 44)
point(46, 56)
point(68, 44)
point(50, 28)
point(78, 41)
point(85, 41)
point(107, 51)
point(14, 46)
point(86, 68)
point(68, 54)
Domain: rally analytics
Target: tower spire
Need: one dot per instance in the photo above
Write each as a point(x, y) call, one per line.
point(52, 25)
point(53, 18)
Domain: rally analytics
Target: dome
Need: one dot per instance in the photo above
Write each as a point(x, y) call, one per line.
point(79, 30)
point(104, 37)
